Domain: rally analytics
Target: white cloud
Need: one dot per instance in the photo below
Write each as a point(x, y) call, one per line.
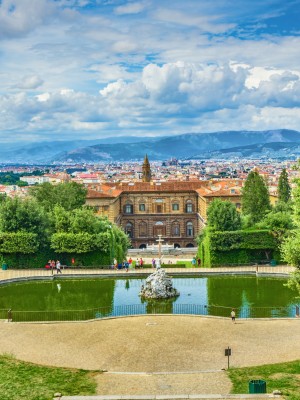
point(206, 23)
point(18, 17)
point(130, 8)
point(30, 82)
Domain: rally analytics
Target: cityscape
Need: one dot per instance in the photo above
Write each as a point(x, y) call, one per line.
point(149, 199)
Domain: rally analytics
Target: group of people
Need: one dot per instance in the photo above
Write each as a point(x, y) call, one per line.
point(126, 264)
point(196, 261)
point(51, 264)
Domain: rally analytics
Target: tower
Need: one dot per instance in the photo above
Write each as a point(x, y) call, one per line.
point(146, 170)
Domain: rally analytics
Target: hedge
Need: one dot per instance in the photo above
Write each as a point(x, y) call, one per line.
point(236, 247)
point(18, 242)
point(40, 259)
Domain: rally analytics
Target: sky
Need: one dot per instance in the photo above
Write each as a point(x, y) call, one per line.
point(90, 69)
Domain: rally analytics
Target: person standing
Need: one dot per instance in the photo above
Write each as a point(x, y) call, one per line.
point(232, 315)
point(52, 266)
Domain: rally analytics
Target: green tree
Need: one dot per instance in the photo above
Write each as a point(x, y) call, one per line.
point(255, 197)
point(69, 195)
point(284, 189)
point(279, 223)
point(18, 215)
point(223, 216)
point(290, 249)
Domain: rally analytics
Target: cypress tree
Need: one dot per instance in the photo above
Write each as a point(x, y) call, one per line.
point(284, 189)
point(255, 197)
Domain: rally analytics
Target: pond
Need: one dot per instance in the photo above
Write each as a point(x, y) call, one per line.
point(251, 296)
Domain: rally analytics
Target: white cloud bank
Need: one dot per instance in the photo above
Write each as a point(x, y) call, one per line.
point(101, 67)
point(172, 98)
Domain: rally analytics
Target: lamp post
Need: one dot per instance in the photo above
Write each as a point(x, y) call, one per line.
point(159, 240)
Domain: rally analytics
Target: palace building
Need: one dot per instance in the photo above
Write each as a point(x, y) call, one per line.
point(145, 209)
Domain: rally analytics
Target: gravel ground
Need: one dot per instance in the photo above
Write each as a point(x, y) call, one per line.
point(150, 344)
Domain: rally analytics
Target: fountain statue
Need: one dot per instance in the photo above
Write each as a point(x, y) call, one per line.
point(158, 286)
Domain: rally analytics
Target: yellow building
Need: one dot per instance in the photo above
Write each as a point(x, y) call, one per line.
point(175, 210)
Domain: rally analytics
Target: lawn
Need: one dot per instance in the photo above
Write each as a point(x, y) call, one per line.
point(284, 377)
point(22, 380)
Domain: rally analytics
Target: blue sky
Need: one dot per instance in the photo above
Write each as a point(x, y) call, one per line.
point(90, 69)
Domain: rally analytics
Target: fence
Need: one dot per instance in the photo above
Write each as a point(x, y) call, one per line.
point(164, 307)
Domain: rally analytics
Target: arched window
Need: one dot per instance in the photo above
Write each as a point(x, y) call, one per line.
point(159, 228)
point(189, 229)
point(175, 229)
point(142, 229)
point(129, 229)
point(189, 206)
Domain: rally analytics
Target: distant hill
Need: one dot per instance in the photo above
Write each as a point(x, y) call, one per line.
point(44, 152)
point(126, 148)
point(285, 150)
point(190, 145)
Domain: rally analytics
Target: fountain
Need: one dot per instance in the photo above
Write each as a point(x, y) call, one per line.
point(158, 286)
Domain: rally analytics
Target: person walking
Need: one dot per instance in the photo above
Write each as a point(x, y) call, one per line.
point(115, 263)
point(232, 315)
point(58, 267)
point(126, 265)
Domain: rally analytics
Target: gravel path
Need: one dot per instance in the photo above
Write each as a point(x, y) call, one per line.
point(151, 344)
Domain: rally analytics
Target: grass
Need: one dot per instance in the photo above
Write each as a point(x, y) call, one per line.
point(22, 380)
point(188, 264)
point(284, 377)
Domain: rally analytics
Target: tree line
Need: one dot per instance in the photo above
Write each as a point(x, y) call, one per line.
point(55, 218)
point(281, 220)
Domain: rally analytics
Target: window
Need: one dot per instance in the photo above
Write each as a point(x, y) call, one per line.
point(128, 209)
point(175, 229)
point(159, 208)
point(175, 206)
point(189, 229)
point(189, 207)
point(143, 229)
point(142, 207)
point(129, 229)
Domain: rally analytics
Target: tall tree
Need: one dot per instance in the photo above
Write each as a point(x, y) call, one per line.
point(69, 195)
point(223, 216)
point(255, 197)
point(284, 189)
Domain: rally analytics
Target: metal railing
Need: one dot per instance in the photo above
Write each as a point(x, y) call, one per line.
point(162, 307)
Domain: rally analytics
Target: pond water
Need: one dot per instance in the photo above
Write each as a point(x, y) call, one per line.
point(210, 295)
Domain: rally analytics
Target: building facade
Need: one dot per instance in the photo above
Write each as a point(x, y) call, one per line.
point(175, 210)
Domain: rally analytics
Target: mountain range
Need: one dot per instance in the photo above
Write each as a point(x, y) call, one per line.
point(281, 143)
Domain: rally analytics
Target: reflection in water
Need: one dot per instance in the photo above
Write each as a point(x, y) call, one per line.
point(213, 295)
point(161, 306)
